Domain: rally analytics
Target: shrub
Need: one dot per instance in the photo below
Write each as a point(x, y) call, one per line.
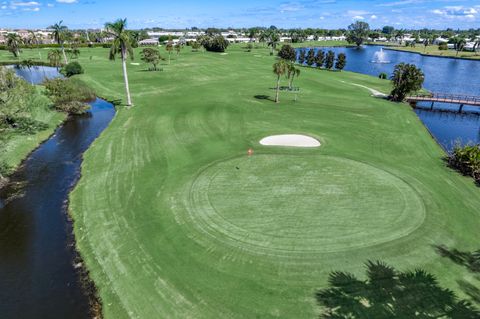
point(152, 56)
point(320, 58)
point(310, 57)
point(443, 47)
point(216, 44)
point(5, 170)
point(330, 60)
point(341, 61)
point(383, 76)
point(69, 95)
point(302, 56)
point(287, 53)
point(22, 124)
point(466, 160)
point(71, 69)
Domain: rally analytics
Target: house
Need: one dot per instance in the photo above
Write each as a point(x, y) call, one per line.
point(149, 42)
point(439, 41)
point(470, 46)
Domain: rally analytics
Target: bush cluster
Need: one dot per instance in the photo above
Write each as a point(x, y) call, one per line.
point(215, 43)
point(69, 95)
point(466, 160)
point(443, 46)
point(71, 69)
point(18, 100)
point(22, 124)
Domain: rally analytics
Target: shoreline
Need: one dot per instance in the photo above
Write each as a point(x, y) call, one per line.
point(89, 288)
point(431, 55)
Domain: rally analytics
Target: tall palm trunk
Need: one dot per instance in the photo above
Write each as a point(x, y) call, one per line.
point(278, 90)
point(125, 77)
point(64, 55)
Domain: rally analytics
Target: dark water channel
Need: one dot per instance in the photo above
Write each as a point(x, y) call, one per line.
point(38, 278)
point(442, 75)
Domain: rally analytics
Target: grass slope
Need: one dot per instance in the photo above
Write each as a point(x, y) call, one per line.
point(170, 228)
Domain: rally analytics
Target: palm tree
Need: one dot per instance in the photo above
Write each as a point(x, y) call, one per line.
point(279, 68)
point(34, 40)
point(459, 44)
point(476, 46)
point(54, 56)
point(292, 72)
point(59, 34)
point(121, 45)
point(169, 48)
point(13, 44)
point(263, 37)
point(273, 40)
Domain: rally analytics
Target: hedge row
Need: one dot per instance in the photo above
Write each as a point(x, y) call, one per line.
point(57, 46)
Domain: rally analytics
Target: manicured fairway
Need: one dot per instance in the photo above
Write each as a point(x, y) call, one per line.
point(174, 220)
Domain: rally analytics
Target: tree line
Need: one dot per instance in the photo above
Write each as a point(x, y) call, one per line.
point(320, 59)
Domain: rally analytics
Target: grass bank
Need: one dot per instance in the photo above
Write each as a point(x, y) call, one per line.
point(433, 50)
point(174, 220)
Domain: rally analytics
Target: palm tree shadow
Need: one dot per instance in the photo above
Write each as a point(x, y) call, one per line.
point(470, 290)
point(470, 260)
point(264, 97)
point(389, 293)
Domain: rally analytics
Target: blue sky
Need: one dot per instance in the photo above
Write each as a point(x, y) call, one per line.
point(204, 13)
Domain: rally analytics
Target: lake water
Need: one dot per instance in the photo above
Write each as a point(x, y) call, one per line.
point(442, 75)
point(37, 274)
point(37, 74)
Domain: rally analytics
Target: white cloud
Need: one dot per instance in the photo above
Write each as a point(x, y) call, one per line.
point(457, 12)
point(67, 1)
point(358, 18)
point(24, 4)
point(373, 17)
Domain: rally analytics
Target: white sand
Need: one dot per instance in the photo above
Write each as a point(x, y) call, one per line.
point(291, 140)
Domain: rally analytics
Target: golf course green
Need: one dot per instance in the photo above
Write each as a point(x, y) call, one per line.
point(175, 220)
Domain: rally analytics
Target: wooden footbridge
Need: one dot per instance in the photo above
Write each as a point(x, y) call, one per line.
point(433, 98)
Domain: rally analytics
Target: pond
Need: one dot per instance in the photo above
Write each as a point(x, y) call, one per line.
point(443, 75)
point(37, 74)
point(38, 278)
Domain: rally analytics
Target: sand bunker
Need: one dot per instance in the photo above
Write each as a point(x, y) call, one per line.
point(290, 140)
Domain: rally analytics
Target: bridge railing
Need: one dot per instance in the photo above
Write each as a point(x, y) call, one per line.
point(447, 97)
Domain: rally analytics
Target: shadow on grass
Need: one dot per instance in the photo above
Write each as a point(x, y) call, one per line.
point(389, 293)
point(264, 97)
point(470, 260)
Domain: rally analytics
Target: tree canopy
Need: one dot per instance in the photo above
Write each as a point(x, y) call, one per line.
point(287, 53)
point(406, 78)
point(358, 32)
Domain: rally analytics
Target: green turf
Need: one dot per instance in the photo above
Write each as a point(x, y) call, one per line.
point(170, 228)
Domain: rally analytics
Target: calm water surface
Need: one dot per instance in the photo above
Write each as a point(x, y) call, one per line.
point(441, 75)
point(37, 276)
